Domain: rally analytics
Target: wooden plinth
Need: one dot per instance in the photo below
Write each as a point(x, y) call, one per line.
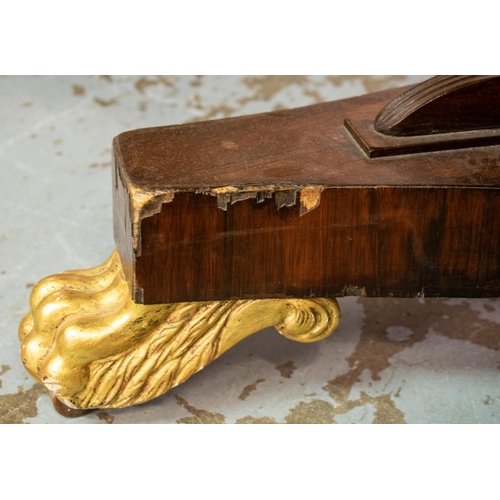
point(286, 204)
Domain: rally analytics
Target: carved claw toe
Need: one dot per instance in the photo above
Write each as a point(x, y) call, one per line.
point(93, 347)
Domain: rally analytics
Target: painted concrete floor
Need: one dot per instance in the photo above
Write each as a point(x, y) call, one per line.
point(390, 361)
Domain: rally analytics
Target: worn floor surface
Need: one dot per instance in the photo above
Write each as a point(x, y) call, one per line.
point(390, 361)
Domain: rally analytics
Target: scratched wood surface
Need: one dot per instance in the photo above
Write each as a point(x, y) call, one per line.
point(391, 360)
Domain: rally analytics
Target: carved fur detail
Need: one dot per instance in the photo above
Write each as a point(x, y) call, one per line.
point(93, 347)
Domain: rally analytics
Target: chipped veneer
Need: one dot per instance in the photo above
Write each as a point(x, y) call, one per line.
point(413, 360)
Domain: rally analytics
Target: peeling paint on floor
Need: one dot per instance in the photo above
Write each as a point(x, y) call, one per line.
point(286, 370)
point(249, 389)
point(390, 360)
point(14, 408)
point(199, 416)
point(253, 420)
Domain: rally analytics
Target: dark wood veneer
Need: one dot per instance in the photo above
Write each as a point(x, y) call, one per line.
point(402, 242)
point(424, 224)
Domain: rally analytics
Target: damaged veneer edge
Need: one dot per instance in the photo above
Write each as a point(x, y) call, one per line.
point(144, 204)
point(285, 195)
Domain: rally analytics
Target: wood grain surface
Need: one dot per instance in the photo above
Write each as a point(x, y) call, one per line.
point(401, 242)
point(240, 225)
point(301, 146)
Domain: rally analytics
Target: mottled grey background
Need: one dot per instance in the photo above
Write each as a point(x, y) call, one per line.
point(413, 361)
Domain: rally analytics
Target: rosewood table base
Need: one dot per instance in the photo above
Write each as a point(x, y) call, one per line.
point(229, 226)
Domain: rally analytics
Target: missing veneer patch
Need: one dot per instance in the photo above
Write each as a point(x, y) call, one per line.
point(285, 196)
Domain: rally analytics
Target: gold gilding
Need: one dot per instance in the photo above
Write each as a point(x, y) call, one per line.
point(310, 198)
point(93, 347)
point(145, 204)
